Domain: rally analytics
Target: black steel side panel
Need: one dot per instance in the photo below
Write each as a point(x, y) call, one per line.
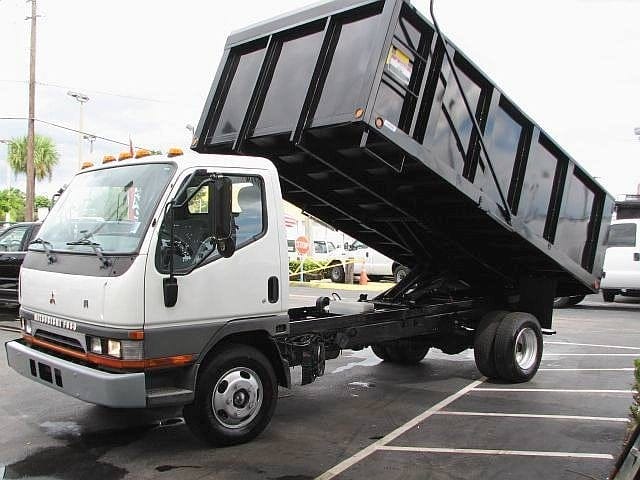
point(356, 105)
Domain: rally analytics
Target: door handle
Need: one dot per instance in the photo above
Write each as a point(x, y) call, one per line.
point(273, 289)
point(636, 257)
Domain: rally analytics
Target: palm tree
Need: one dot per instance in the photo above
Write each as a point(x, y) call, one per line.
point(45, 156)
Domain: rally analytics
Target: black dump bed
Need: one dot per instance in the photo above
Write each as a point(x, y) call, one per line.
point(356, 104)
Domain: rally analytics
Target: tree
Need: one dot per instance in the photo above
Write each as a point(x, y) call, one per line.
point(42, 202)
point(12, 201)
point(45, 156)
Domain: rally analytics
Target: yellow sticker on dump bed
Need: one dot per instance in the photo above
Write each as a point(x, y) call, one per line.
point(399, 64)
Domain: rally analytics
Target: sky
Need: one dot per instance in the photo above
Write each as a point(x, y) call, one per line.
point(147, 66)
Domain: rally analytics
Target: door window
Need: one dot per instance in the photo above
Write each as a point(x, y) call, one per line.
point(319, 247)
point(193, 227)
point(12, 239)
point(622, 235)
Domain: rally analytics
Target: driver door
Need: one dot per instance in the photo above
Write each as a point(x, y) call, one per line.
point(213, 290)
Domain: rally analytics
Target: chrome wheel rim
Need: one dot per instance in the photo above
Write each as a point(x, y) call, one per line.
point(237, 397)
point(526, 348)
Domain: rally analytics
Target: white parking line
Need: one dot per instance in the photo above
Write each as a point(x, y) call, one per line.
point(352, 460)
point(630, 369)
point(592, 345)
point(604, 456)
point(550, 390)
point(590, 355)
point(535, 415)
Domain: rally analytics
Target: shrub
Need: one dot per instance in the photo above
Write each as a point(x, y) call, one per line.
point(315, 267)
point(635, 407)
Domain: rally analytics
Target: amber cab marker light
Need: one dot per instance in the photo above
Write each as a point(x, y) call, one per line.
point(359, 113)
point(124, 156)
point(379, 122)
point(142, 153)
point(108, 159)
point(174, 152)
point(86, 165)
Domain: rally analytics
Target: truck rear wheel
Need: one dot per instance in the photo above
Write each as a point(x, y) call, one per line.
point(484, 339)
point(406, 351)
point(518, 347)
point(236, 396)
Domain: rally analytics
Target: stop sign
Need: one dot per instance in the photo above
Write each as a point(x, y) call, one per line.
point(302, 245)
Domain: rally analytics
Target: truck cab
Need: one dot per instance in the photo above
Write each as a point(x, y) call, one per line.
point(97, 321)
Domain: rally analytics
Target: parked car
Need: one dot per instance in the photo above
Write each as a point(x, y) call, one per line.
point(621, 271)
point(14, 242)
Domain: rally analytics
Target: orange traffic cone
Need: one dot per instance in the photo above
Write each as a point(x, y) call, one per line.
point(363, 276)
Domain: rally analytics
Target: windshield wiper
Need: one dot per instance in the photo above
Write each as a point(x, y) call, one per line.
point(46, 246)
point(97, 249)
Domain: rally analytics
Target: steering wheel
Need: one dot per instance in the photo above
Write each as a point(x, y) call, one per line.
point(206, 247)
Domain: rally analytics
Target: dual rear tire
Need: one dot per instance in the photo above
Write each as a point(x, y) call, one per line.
point(508, 346)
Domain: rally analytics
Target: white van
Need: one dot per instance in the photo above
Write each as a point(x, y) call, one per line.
point(621, 272)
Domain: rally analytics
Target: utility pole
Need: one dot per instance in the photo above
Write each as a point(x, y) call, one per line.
point(31, 171)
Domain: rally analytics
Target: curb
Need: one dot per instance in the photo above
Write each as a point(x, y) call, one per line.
point(370, 287)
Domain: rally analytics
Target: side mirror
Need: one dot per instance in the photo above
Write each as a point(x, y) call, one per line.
point(170, 291)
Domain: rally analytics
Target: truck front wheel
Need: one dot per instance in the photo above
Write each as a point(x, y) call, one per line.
point(608, 295)
point(236, 396)
point(518, 347)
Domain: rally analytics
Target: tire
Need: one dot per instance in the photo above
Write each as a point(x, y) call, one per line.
point(381, 352)
point(400, 273)
point(565, 302)
point(608, 295)
point(483, 342)
point(561, 302)
point(250, 374)
point(575, 300)
point(337, 274)
point(518, 347)
point(406, 351)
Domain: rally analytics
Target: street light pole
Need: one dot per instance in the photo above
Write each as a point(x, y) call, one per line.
point(82, 99)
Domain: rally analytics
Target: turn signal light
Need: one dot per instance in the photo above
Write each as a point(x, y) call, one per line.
point(124, 156)
point(108, 159)
point(86, 165)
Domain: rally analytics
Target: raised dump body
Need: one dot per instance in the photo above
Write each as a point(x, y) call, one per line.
point(356, 104)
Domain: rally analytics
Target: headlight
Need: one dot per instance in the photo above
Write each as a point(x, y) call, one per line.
point(113, 348)
point(123, 349)
point(95, 345)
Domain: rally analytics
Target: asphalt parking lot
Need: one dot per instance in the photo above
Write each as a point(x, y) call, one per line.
point(364, 418)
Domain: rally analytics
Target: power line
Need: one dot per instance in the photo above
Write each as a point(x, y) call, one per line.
point(99, 92)
point(76, 131)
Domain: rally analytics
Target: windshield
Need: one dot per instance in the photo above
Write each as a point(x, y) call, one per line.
point(109, 208)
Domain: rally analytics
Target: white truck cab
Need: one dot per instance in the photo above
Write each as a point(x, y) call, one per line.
point(101, 320)
point(621, 271)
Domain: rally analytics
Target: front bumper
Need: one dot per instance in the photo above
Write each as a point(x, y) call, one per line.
point(117, 390)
